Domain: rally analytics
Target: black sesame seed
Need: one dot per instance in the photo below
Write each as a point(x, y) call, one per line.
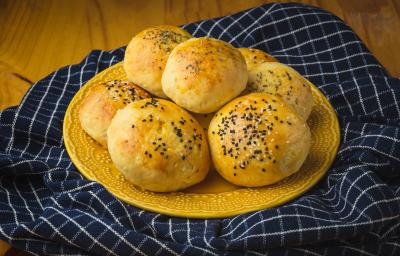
point(179, 132)
point(289, 77)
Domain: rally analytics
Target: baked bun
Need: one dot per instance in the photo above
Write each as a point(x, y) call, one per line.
point(203, 119)
point(258, 139)
point(202, 74)
point(158, 146)
point(147, 53)
point(101, 104)
point(284, 81)
point(253, 57)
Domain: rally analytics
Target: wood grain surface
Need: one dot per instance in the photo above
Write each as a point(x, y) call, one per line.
point(38, 37)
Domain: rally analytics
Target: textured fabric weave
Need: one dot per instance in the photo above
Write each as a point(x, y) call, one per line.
point(48, 208)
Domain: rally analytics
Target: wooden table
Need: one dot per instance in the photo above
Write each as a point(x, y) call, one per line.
point(38, 37)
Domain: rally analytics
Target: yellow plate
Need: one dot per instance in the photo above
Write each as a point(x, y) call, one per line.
point(214, 197)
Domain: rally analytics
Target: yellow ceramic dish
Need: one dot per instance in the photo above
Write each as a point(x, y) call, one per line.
point(214, 197)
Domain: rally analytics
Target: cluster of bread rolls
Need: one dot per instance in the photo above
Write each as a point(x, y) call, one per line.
point(192, 100)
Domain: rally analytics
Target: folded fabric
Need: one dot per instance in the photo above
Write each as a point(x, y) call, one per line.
point(48, 208)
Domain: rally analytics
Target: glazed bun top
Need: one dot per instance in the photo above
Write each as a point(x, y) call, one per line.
point(253, 57)
point(202, 74)
point(258, 139)
point(147, 53)
point(282, 80)
point(101, 104)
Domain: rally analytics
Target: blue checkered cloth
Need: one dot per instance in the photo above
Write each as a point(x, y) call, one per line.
point(48, 208)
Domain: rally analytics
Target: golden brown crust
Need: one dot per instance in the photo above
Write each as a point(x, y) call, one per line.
point(147, 53)
point(101, 104)
point(282, 80)
point(158, 146)
point(202, 74)
point(253, 57)
point(203, 119)
point(258, 139)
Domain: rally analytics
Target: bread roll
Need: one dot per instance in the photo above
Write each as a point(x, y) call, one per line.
point(253, 57)
point(202, 74)
point(147, 53)
point(203, 119)
point(282, 80)
point(158, 146)
point(101, 104)
point(258, 139)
